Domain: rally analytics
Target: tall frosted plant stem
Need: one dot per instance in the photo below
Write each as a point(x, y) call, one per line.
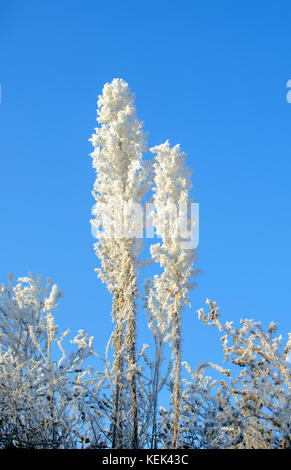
point(121, 181)
point(170, 289)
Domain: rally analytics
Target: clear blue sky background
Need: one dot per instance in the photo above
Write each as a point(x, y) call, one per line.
point(209, 75)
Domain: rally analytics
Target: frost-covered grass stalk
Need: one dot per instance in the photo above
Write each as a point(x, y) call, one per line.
point(171, 193)
point(121, 175)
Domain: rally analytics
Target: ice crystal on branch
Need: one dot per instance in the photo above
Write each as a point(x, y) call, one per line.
point(249, 408)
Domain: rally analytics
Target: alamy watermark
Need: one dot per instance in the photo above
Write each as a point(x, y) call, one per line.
point(129, 219)
point(288, 96)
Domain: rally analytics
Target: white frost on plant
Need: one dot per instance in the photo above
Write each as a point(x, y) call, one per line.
point(44, 402)
point(170, 289)
point(122, 179)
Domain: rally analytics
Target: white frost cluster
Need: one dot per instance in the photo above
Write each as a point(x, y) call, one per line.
point(52, 399)
point(121, 179)
point(169, 291)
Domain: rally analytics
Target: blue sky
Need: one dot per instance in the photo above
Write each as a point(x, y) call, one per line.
point(208, 75)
